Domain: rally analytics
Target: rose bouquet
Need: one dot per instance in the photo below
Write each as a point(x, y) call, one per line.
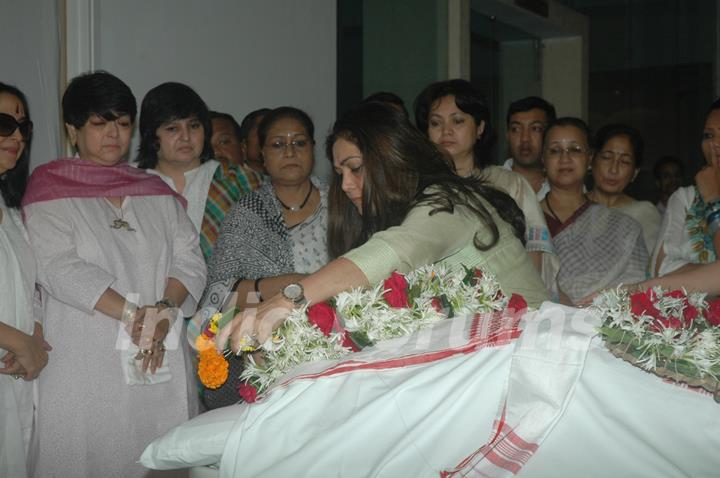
point(673, 334)
point(353, 320)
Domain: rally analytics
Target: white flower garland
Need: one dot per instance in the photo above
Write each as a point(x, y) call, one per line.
point(664, 339)
point(364, 313)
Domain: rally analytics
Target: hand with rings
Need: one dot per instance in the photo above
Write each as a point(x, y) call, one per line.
point(252, 327)
point(148, 331)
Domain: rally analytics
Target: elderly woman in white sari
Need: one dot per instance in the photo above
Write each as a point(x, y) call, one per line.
point(688, 235)
point(598, 247)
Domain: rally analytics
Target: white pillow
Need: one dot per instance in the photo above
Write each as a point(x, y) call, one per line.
point(199, 441)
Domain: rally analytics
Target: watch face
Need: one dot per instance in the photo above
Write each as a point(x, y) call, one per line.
point(293, 292)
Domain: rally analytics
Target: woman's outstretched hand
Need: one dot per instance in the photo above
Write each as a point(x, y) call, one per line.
point(253, 326)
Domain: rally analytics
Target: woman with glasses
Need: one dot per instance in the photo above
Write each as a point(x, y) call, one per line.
point(598, 246)
point(615, 164)
point(275, 235)
point(175, 133)
point(23, 352)
point(395, 205)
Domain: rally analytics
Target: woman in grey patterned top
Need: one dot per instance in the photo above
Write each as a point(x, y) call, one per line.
point(277, 234)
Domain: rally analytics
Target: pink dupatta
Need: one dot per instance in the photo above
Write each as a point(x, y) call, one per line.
point(78, 178)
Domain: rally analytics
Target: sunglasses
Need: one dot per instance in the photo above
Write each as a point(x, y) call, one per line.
point(8, 125)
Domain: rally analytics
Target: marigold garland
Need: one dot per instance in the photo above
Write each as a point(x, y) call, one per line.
point(212, 368)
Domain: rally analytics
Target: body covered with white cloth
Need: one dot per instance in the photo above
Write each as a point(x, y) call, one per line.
point(467, 397)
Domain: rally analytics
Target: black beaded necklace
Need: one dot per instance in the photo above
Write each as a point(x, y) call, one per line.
point(297, 208)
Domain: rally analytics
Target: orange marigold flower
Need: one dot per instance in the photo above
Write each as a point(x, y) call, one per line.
point(203, 343)
point(212, 368)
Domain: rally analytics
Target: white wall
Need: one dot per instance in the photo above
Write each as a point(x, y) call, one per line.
point(239, 55)
point(31, 61)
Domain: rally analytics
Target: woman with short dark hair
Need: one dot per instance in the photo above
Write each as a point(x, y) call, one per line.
point(403, 207)
point(175, 132)
point(118, 262)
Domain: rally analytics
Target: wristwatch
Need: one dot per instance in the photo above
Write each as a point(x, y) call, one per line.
point(294, 293)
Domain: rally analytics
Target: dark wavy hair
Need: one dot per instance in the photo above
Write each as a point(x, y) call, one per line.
point(468, 100)
point(13, 182)
point(282, 112)
point(607, 132)
point(169, 102)
point(400, 163)
point(100, 93)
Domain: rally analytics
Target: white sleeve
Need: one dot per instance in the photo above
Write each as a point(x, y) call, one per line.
point(673, 237)
point(61, 271)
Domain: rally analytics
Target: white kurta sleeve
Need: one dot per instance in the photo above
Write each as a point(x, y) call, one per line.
point(188, 265)
point(673, 238)
point(61, 271)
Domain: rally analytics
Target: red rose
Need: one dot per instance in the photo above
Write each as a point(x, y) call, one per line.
point(517, 303)
point(690, 313)
point(437, 304)
point(396, 293)
point(676, 294)
point(322, 315)
point(713, 313)
point(247, 392)
point(641, 303)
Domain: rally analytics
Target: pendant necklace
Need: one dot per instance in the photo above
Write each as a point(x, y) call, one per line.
point(119, 222)
point(296, 208)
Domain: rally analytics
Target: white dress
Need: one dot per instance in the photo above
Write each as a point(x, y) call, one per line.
point(673, 237)
point(92, 423)
point(17, 282)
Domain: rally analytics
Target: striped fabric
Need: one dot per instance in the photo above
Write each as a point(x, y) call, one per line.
point(229, 184)
point(254, 178)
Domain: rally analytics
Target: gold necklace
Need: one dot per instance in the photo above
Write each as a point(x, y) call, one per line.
point(119, 222)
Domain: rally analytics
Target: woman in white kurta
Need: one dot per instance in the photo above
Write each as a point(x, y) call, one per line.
point(108, 238)
point(689, 235)
point(22, 351)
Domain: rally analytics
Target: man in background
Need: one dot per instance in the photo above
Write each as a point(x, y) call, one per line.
point(527, 120)
point(228, 146)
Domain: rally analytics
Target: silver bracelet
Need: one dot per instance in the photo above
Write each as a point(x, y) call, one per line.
point(166, 303)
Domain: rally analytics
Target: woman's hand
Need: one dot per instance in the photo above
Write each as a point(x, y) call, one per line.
point(29, 358)
point(147, 331)
point(252, 327)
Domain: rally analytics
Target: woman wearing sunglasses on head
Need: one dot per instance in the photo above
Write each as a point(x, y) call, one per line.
point(23, 352)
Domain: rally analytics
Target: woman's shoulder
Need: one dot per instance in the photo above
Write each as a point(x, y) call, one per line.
point(641, 208)
point(682, 198)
